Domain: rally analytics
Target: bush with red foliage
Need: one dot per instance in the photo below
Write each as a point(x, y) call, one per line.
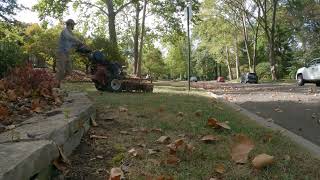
point(28, 84)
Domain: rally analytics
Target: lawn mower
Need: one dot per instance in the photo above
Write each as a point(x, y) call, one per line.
point(110, 76)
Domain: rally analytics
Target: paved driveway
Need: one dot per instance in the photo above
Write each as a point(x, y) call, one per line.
point(294, 108)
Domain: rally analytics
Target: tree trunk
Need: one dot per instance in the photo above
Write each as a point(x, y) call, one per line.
point(228, 63)
point(136, 41)
point(142, 36)
point(245, 35)
point(237, 56)
point(254, 57)
point(216, 71)
point(112, 24)
point(272, 43)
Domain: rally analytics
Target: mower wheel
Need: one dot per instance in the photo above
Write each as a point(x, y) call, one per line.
point(115, 85)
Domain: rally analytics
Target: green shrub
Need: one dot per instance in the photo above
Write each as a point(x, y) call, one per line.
point(11, 55)
point(263, 70)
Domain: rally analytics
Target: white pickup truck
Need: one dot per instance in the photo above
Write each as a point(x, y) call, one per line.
point(310, 73)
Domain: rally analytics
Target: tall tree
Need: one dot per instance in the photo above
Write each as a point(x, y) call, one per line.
point(8, 8)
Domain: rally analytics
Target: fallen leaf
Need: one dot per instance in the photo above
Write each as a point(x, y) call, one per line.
point(61, 166)
point(98, 137)
point(116, 174)
point(180, 114)
point(220, 168)
point(262, 160)
point(179, 142)
point(173, 148)
point(100, 157)
point(123, 109)
point(163, 139)
point(241, 148)
point(133, 152)
point(152, 151)
point(161, 109)
point(124, 132)
point(4, 112)
point(145, 130)
point(189, 148)
point(212, 122)
point(11, 95)
point(158, 130)
point(35, 105)
point(198, 113)
point(223, 125)
point(209, 138)
point(172, 160)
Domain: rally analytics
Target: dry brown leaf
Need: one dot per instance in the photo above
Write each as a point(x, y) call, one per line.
point(145, 130)
point(209, 138)
point(163, 139)
point(123, 109)
point(12, 95)
point(220, 169)
point(57, 101)
point(4, 112)
point(267, 138)
point(116, 174)
point(124, 132)
point(173, 148)
point(35, 105)
point(158, 130)
point(133, 152)
point(98, 137)
point(180, 114)
point(189, 148)
point(198, 113)
point(241, 148)
point(60, 165)
point(161, 109)
point(223, 125)
point(172, 160)
point(212, 122)
point(152, 151)
point(262, 160)
point(179, 142)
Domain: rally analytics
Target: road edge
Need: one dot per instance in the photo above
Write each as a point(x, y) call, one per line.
point(312, 148)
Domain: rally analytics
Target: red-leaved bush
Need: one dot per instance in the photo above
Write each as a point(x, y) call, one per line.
point(24, 81)
point(35, 87)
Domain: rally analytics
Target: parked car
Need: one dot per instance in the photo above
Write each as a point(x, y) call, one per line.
point(193, 79)
point(310, 73)
point(221, 79)
point(249, 78)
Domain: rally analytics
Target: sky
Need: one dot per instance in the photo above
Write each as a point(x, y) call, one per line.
point(29, 16)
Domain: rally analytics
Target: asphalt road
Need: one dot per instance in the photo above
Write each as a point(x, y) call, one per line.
point(295, 108)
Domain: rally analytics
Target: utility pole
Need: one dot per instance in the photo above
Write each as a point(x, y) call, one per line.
point(189, 43)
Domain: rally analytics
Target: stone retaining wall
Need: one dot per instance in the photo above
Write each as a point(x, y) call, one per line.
point(29, 149)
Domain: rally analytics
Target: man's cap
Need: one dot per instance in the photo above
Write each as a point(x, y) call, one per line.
point(70, 21)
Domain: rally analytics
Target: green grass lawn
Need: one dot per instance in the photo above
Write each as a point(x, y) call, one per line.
point(160, 110)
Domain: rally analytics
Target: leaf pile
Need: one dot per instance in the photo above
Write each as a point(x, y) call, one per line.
point(78, 76)
point(26, 90)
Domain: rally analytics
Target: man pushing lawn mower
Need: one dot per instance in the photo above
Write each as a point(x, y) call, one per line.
point(67, 41)
point(106, 75)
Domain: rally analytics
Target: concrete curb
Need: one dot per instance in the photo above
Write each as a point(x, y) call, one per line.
point(28, 150)
point(308, 145)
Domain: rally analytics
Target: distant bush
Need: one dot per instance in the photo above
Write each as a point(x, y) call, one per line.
point(11, 54)
point(263, 70)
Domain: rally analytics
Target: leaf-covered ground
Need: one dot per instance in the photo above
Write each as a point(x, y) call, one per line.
point(129, 125)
